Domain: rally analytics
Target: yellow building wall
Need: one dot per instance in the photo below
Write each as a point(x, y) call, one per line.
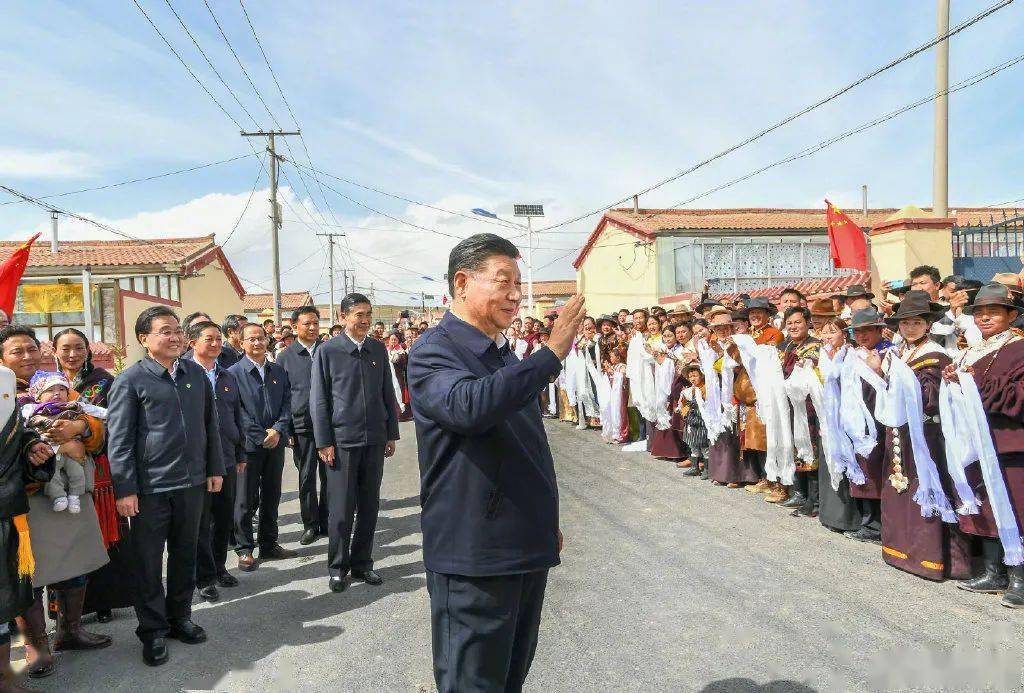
point(210, 292)
point(618, 274)
point(895, 253)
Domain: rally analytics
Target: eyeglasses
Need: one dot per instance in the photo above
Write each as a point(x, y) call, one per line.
point(254, 340)
point(165, 334)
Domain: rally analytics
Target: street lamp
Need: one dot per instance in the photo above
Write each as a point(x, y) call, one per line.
point(529, 211)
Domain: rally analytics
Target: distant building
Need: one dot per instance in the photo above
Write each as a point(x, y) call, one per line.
point(548, 295)
point(100, 287)
point(260, 307)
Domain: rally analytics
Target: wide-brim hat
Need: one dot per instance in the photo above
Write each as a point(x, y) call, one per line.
point(994, 294)
point(868, 317)
point(743, 315)
point(708, 304)
point(854, 291)
point(719, 315)
point(614, 320)
point(823, 308)
point(916, 304)
point(760, 303)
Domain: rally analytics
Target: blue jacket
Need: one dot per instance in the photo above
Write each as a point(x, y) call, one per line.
point(278, 412)
point(229, 417)
point(295, 360)
point(488, 489)
point(162, 434)
point(351, 397)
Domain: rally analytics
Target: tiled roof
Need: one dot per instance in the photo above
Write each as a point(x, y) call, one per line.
point(811, 287)
point(96, 253)
point(563, 287)
point(255, 303)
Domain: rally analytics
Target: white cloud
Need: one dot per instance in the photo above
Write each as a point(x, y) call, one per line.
point(58, 164)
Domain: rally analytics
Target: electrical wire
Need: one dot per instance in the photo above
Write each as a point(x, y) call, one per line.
point(248, 201)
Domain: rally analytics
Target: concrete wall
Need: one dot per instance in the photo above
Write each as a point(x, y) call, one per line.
point(617, 274)
point(131, 306)
point(210, 292)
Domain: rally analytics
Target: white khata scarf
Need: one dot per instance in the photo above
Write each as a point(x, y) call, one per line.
point(718, 407)
point(840, 454)
point(765, 371)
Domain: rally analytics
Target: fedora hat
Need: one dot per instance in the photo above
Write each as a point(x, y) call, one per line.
point(868, 317)
point(994, 294)
point(761, 303)
point(854, 291)
point(916, 304)
point(823, 308)
point(614, 320)
point(707, 304)
point(743, 315)
point(719, 315)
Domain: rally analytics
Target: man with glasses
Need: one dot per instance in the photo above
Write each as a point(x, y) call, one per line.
point(266, 421)
point(165, 455)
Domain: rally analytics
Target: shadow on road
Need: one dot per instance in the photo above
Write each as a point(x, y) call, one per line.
point(751, 686)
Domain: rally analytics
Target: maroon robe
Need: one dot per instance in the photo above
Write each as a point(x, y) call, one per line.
point(872, 465)
point(924, 546)
point(725, 463)
point(669, 443)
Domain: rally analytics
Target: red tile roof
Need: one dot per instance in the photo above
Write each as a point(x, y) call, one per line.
point(810, 287)
point(97, 253)
point(562, 287)
point(256, 303)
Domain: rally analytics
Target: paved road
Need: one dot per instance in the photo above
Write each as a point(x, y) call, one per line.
point(668, 584)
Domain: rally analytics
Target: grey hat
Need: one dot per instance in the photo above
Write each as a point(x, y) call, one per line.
point(761, 303)
point(854, 291)
point(994, 294)
point(916, 304)
point(868, 317)
point(608, 318)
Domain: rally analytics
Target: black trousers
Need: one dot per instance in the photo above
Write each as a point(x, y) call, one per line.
point(260, 484)
point(484, 629)
point(870, 513)
point(353, 498)
point(171, 518)
point(312, 506)
point(215, 530)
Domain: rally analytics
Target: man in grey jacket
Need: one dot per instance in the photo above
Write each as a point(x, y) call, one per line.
point(165, 454)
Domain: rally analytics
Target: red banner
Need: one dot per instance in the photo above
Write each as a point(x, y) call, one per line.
point(10, 275)
point(846, 241)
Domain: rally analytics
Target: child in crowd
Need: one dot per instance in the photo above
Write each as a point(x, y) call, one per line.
point(695, 434)
point(611, 420)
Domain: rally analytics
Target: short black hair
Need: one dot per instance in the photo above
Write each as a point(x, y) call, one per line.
point(795, 292)
point(270, 320)
point(351, 300)
point(302, 310)
point(797, 309)
point(144, 323)
point(928, 270)
point(232, 323)
point(470, 255)
point(196, 329)
point(336, 327)
point(622, 310)
point(16, 331)
point(647, 316)
point(191, 318)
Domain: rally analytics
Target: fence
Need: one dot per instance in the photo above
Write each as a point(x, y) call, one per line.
point(981, 251)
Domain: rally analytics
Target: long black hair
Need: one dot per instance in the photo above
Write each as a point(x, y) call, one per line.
point(87, 367)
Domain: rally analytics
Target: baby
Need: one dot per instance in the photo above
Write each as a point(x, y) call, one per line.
point(49, 403)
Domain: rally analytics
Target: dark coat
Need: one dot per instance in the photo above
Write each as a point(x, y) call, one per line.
point(351, 398)
point(278, 414)
point(162, 434)
point(229, 416)
point(229, 356)
point(297, 362)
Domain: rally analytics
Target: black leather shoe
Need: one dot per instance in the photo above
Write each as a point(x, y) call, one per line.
point(1014, 597)
point(993, 581)
point(276, 553)
point(368, 576)
point(187, 632)
point(226, 579)
point(796, 500)
point(154, 652)
point(308, 537)
point(210, 593)
point(339, 584)
point(866, 535)
point(104, 616)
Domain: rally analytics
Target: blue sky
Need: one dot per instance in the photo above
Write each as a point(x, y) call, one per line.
point(472, 104)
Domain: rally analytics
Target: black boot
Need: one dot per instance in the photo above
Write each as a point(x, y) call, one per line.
point(692, 470)
point(705, 474)
point(796, 500)
point(1014, 597)
point(993, 579)
point(70, 634)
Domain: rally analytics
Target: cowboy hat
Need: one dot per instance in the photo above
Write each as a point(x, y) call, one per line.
point(854, 291)
point(719, 315)
point(994, 294)
point(742, 315)
point(916, 304)
point(760, 303)
point(867, 317)
point(614, 320)
point(823, 308)
point(707, 304)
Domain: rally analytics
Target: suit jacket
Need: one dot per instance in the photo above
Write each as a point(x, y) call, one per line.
point(229, 356)
point(488, 489)
point(297, 362)
point(229, 416)
point(351, 397)
point(255, 420)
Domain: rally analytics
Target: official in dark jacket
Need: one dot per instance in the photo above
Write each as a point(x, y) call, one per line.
point(266, 420)
point(488, 490)
point(355, 424)
point(297, 360)
point(231, 352)
point(218, 523)
point(165, 454)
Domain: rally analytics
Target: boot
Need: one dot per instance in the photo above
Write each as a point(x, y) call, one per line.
point(692, 470)
point(32, 625)
point(796, 500)
point(1014, 597)
point(762, 486)
point(70, 634)
point(705, 472)
point(993, 579)
point(778, 493)
point(8, 681)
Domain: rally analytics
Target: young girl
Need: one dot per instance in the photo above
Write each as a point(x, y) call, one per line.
point(612, 418)
point(695, 433)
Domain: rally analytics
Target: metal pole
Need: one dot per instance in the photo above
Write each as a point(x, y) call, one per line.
point(940, 167)
point(529, 265)
point(87, 303)
point(275, 252)
point(53, 234)
point(864, 199)
point(330, 251)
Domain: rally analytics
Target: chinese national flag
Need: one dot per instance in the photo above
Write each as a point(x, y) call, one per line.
point(846, 241)
point(10, 275)
point(444, 300)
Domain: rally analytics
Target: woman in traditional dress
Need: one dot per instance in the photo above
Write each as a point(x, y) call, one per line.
point(587, 370)
point(695, 432)
point(110, 587)
point(667, 443)
point(67, 546)
point(399, 356)
point(924, 546)
point(800, 348)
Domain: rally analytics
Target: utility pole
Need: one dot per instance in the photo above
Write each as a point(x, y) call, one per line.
point(330, 273)
point(53, 229)
point(275, 212)
point(940, 165)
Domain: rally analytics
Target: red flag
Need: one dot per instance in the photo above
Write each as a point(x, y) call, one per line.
point(444, 300)
point(10, 275)
point(846, 241)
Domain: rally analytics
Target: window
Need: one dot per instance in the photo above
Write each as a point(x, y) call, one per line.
point(746, 264)
point(165, 286)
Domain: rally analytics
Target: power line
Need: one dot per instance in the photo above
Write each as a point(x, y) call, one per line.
point(248, 201)
point(790, 118)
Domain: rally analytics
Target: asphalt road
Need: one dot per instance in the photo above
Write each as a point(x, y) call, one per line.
point(667, 584)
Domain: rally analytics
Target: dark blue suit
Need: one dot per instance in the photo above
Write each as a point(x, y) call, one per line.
point(266, 403)
point(490, 502)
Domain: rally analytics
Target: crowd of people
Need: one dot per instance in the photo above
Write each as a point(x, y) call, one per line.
point(183, 452)
point(896, 420)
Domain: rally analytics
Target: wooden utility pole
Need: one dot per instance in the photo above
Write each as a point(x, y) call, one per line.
point(275, 213)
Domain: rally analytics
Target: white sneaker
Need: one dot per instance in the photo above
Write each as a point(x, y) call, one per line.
point(74, 505)
point(60, 504)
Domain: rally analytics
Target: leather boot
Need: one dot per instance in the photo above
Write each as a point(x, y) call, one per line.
point(1014, 597)
point(777, 494)
point(32, 625)
point(796, 500)
point(705, 472)
point(8, 681)
point(70, 634)
point(993, 579)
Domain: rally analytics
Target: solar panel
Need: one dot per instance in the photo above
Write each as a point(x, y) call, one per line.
point(528, 210)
